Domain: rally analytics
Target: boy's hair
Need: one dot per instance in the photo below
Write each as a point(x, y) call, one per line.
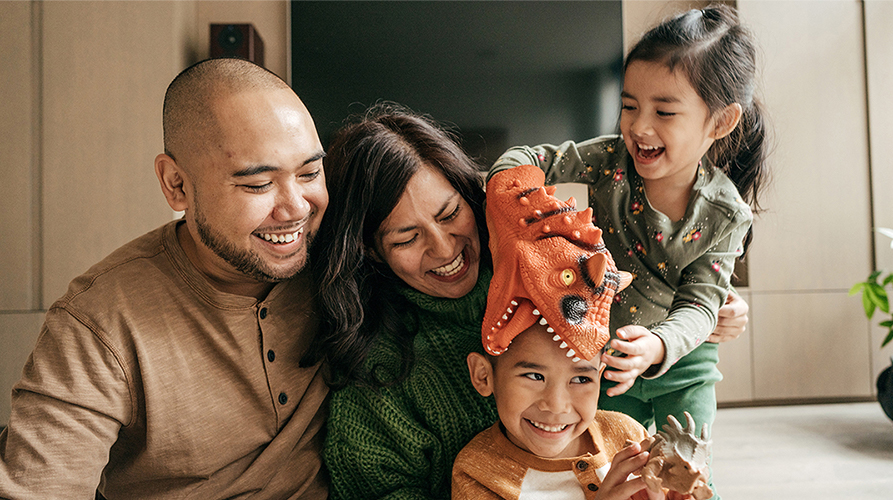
point(718, 56)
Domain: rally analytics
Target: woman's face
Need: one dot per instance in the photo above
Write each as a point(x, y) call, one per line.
point(430, 239)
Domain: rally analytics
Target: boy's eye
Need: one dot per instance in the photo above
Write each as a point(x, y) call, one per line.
point(581, 380)
point(534, 376)
point(627, 107)
point(665, 113)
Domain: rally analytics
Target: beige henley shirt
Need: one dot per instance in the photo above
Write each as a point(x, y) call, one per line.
point(148, 383)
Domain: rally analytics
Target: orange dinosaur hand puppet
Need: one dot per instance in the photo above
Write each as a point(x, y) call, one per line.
point(549, 266)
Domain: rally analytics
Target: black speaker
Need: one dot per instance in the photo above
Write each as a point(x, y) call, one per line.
point(237, 40)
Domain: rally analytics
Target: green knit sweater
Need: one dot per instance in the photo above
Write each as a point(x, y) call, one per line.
point(400, 441)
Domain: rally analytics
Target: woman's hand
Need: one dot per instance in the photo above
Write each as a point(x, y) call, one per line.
point(731, 319)
point(642, 348)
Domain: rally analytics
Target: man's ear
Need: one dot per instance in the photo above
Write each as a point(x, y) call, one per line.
point(171, 178)
point(481, 372)
point(726, 120)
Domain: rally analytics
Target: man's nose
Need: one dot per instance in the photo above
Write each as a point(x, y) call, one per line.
point(291, 204)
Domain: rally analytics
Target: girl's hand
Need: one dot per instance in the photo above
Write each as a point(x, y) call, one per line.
point(730, 320)
point(642, 348)
point(618, 485)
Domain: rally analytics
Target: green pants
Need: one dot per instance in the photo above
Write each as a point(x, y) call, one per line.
point(688, 386)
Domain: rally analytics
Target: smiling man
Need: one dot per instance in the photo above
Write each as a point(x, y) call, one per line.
point(171, 368)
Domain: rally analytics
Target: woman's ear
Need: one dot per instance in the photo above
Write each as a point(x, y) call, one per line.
point(171, 179)
point(481, 371)
point(726, 120)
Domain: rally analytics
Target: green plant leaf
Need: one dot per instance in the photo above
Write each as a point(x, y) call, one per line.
point(868, 304)
point(887, 324)
point(877, 293)
point(888, 338)
point(879, 297)
point(873, 276)
point(888, 279)
point(857, 287)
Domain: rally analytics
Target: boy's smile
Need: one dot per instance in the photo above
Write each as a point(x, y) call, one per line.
point(545, 400)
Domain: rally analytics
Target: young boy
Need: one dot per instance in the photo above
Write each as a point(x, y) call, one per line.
point(550, 436)
point(544, 329)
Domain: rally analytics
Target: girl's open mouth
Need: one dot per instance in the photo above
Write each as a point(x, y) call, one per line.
point(647, 154)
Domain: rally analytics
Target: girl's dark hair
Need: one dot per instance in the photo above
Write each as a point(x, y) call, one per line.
point(718, 56)
point(368, 164)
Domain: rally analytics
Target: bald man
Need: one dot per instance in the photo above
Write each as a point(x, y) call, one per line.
point(171, 368)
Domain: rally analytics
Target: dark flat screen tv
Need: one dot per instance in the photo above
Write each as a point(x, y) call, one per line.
point(500, 72)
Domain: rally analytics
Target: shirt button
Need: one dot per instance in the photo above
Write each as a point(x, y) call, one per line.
point(283, 398)
point(582, 465)
point(592, 487)
point(271, 355)
point(263, 313)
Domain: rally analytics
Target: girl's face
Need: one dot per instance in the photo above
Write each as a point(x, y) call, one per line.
point(430, 240)
point(666, 125)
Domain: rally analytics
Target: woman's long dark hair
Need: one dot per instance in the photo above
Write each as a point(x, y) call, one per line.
point(718, 56)
point(367, 167)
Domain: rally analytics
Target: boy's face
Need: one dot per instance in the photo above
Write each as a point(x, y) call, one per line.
point(545, 400)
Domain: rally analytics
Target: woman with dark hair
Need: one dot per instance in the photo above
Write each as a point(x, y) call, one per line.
point(403, 269)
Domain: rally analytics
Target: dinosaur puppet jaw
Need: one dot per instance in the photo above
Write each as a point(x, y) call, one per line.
point(550, 267)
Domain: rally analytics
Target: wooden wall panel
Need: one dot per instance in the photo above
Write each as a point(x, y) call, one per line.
point(18, 168)
point(106, 66)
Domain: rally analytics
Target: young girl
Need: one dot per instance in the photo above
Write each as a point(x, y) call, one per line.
point(673, 196)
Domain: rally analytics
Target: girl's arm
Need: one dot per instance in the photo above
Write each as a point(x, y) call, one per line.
point(563, 163)
point(692, 317)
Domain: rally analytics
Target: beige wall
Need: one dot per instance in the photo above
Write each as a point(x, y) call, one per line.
point(19, 209)
point(79, 138)
point(879, 44)
point(641, 15)
point(18, 195)
point(810, 340)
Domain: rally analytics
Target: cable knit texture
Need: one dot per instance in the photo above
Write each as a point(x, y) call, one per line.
point(400, 441)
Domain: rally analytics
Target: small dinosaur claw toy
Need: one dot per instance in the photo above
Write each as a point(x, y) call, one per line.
point(678, 459)
point(549, 266)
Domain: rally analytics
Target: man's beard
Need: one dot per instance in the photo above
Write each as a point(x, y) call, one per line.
point(245, 261)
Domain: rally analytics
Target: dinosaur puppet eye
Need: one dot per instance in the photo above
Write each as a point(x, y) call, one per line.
point(568, 277)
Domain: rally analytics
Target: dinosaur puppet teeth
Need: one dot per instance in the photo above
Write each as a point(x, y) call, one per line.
point(507, 317)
